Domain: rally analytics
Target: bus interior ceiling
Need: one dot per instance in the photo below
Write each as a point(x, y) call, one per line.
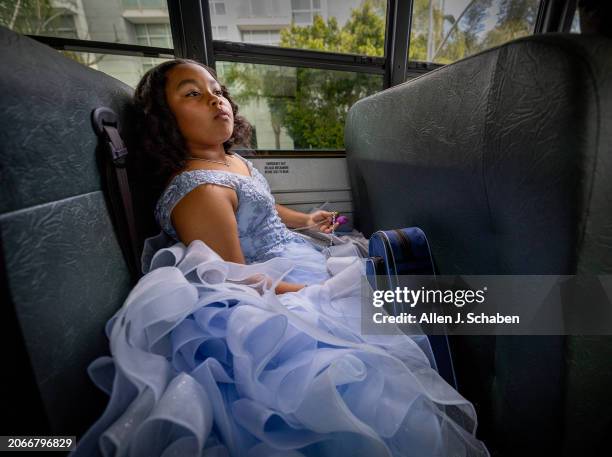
point(457, 149)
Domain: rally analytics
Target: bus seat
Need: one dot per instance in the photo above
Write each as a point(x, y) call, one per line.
point(505, 160)
point(63, 271)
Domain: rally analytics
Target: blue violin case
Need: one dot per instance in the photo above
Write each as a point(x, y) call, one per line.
point(406, 251)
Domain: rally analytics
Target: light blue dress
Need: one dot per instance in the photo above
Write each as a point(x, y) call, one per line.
point(208, 361)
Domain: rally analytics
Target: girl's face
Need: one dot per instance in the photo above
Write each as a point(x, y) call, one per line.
point(203, 114)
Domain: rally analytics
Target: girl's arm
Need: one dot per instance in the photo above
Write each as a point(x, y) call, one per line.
point(319, 220)
point(292, 218)
point(207, 213)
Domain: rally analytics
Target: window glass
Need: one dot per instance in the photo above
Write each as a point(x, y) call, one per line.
point(350, 26)
point(303, 11)
point(119, 21)
point(444, 31)
point(295, 108)
point(217, 7)
point(157, 35)
point(128, 69)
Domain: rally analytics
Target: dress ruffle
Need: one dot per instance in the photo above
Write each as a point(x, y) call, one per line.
point(208, 361)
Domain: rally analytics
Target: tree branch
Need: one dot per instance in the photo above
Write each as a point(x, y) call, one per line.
point(15, 14)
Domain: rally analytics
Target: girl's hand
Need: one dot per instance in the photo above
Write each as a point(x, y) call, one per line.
point(325, 219)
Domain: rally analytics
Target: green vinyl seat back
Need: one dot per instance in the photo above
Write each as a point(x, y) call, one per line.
point(504, 159)
point(63, 271)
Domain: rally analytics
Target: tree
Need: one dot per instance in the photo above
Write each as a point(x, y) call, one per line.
point(516, 19)
point(312, 104)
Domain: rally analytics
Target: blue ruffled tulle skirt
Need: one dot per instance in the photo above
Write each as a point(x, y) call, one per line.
point(208, 361)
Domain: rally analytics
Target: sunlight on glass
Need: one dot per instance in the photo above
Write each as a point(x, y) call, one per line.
point(295, 108)
point(444, 31)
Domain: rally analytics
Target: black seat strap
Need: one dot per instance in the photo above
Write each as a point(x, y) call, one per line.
point(106, 127)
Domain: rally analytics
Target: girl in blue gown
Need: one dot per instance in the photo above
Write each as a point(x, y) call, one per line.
point(243, 338)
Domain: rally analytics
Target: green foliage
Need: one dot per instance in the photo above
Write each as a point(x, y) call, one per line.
point(319, 36)
point(364, 33)
point(315, 118)
point(516, 19)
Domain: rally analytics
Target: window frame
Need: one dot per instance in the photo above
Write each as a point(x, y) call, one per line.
point(311, 10)
point(104, 47)
point(182, 19)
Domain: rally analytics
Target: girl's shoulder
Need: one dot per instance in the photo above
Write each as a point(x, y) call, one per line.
point(182, 184)
point(187, 180)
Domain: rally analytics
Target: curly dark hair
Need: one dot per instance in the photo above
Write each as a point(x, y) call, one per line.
point(160, 143)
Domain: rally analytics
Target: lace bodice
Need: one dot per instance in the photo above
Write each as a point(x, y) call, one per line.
point(260, 230)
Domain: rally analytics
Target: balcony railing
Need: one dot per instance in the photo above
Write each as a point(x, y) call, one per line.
point(144, 4)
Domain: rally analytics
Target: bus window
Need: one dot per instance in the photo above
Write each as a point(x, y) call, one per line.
point(296, 108)
point(446, 31)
